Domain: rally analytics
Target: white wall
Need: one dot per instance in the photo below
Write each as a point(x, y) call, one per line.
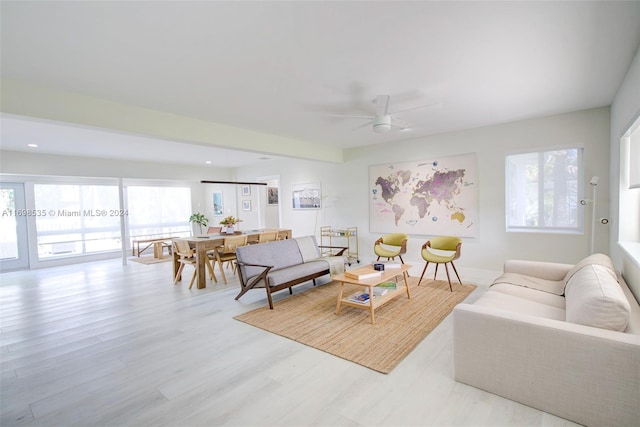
point(345, 187)
point(624, 109)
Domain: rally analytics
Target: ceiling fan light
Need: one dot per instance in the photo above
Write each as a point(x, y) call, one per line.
point(381, 128)
point(382, 124)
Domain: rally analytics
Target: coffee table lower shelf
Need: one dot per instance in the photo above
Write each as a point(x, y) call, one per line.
point(378, 300)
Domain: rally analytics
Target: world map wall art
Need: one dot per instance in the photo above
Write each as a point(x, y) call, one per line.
point(435, 197)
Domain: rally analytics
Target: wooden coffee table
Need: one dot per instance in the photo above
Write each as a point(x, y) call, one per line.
point(380, 300)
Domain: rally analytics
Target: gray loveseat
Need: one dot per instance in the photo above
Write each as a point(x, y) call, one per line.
point(285, 263)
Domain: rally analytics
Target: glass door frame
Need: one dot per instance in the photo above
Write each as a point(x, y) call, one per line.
point(22, 237)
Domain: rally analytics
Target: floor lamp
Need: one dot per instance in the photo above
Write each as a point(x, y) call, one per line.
point(594, 183)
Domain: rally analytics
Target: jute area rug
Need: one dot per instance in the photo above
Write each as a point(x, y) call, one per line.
point(149, 259)
point(401, 324)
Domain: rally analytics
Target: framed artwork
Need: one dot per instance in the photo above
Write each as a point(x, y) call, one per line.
point(306, 196)
point(246, 205)
point(430, 197)
point(246, 190)
point(272, 195)
point(218, 208)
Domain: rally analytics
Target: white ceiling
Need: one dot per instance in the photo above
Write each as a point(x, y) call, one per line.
point(285, 68)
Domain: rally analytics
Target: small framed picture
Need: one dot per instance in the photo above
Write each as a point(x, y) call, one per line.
point(218, 209)
point(246, 205)
point(306, 196)
point(246, 190)
point(272, 195)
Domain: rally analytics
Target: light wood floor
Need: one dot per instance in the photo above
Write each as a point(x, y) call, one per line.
point(101, 344)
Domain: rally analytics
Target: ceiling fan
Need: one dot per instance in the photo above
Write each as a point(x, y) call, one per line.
point(383, 121)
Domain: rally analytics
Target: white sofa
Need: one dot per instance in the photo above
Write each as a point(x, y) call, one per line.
point(561, 338)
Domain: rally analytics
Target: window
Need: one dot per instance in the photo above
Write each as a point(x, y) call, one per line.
point(158, 211)
point(629, 203)
point(76, 219)
point(543, 191)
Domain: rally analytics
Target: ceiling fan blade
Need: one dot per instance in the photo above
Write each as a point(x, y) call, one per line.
point(400, 124)
point(382, 105)
point(343, 116)
point(363, 125)
point(434, 105)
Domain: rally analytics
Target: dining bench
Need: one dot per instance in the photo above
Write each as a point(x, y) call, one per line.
point(158, 243)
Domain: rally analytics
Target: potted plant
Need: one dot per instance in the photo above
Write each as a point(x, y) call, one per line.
point(200, 219)
point(228, 224)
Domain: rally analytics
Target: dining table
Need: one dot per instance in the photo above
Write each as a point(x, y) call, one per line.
point(209, 242)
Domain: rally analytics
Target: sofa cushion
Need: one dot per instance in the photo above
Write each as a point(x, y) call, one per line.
point(308, 248)
point(594, 298)
point(598, 259)
point(504, 301)
point(530, 294)
point(550, 286)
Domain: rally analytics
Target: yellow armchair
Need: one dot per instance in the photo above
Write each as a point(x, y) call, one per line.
point(450, 250)
point(390, 246)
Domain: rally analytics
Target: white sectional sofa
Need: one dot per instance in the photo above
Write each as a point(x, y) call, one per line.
point(561, 338)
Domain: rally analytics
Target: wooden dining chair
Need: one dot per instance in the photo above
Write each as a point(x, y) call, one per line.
point(227, 253)
point(187, 256)
point(214, 230)
point(267, 236)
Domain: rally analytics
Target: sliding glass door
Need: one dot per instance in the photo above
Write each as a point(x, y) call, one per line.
point(14, 247)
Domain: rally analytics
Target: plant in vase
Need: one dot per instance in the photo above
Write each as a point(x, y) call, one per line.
point(228, 224)
point(200, 219)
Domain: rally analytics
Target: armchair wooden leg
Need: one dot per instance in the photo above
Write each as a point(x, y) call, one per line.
point(454, 269)
point(423, 271)
point(448, 278)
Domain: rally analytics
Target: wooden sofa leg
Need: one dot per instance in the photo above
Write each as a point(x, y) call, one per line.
point(269, 297)
point(243, 291)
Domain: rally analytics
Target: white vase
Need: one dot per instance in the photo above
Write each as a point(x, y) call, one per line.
point(228, 229)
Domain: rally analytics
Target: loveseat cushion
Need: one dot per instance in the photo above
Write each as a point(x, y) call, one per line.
point(278, 254)
point(278, 277)
point(594, 298)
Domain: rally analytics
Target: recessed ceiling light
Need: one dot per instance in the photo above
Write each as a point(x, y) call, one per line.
point(208, 162)
point(32, 145)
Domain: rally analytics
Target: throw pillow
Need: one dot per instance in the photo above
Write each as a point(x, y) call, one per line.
point(599, 259)
point(594, 298)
